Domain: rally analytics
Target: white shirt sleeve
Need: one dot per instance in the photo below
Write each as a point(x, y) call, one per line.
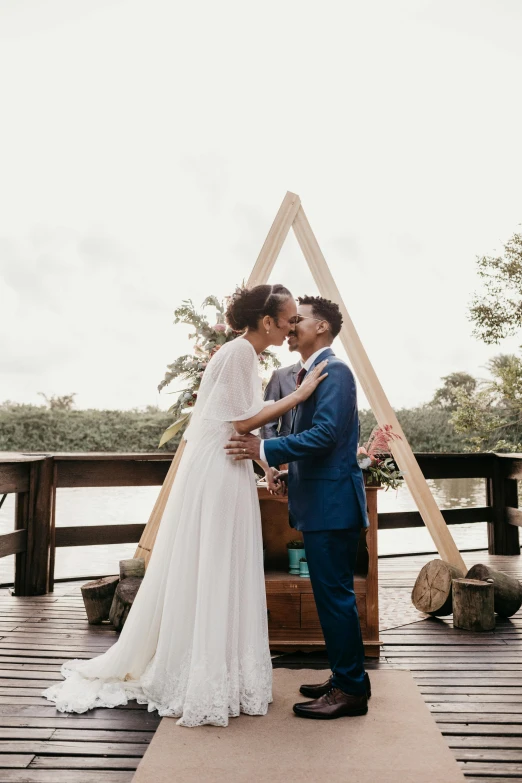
point(262, 451)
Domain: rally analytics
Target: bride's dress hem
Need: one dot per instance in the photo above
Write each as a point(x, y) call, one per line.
point(79, 694)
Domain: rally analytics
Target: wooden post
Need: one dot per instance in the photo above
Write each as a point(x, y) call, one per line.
point(382, 409)
point(33, 513)
point(501, 493)
point(52, 552)
point(473, 605)
point(372, 643)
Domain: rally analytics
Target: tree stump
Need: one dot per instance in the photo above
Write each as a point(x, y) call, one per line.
point(507, 593)
point(97, 598)
point(473, 605)
point(433, 590)
point(133, 567)
point(123, 600)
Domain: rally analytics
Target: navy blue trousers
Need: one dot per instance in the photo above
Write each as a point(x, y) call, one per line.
point(331, 556)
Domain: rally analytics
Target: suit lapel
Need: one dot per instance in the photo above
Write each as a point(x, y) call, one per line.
point(322, 356)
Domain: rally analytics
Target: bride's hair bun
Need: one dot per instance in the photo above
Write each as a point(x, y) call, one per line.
point(247, 305)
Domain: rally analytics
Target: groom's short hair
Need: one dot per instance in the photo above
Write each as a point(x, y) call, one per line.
point(325, 310)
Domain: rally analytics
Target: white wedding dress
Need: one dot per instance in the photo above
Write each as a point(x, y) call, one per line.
point(195, 644)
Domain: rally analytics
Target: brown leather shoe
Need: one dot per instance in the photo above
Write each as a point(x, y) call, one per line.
point(334, 704)
point(315, 691)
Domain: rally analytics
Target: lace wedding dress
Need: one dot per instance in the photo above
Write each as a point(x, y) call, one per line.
point(195, 643)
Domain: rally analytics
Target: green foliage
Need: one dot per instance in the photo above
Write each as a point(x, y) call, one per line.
point(490, 419)
point(427, 428)
point(37, 428)
point(498, 313)
point(446, 395)
point(56, 403)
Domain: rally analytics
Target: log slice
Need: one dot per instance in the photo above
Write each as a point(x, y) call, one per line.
point(97, 598)
point(432, 592)
point(123, 599)
point(508, 590)
point(133, 567)
point(473, 605)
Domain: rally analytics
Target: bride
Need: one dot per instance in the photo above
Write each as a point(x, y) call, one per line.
point(195, 643)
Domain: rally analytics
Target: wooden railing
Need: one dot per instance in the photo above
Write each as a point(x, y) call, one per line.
point(34, 478)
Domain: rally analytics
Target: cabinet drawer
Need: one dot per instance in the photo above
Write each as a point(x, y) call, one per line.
point(284, 610)
point(310, 618)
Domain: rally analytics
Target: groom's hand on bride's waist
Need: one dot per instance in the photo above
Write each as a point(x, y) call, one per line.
point(243, 447)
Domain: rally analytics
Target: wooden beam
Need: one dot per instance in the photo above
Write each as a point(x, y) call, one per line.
point(475, 465)
point(148, 537)
point(275, 240)
point(93, 535)
point(12, 543)
point(110, 473)
point(14, 477)
point(376, 397)
point(452, 516)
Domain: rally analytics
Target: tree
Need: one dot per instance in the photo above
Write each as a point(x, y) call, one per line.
point(491, 416)
point(498, 313)
point(56, 403)
point(446, 395)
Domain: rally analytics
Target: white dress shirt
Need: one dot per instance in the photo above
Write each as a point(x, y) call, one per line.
point(311, 359)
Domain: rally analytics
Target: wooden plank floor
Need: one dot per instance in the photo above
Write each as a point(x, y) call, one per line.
point(472, 683)
point(37, 743)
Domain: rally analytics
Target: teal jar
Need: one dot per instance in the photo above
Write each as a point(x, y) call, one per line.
point(303, 568)
point(294, 556)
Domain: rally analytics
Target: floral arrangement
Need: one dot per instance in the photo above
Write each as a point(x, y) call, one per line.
point(208, 338)
point(372, 458)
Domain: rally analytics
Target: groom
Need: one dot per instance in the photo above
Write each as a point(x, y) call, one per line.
point(327, 502)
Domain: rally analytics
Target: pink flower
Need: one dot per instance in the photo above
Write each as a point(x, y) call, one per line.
point(219, 328)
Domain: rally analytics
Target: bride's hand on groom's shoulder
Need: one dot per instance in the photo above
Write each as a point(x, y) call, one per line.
point(311, 381)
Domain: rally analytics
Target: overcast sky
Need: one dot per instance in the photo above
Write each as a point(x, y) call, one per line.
point(146, 145)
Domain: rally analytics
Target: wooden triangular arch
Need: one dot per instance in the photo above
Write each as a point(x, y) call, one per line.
point(291, 215)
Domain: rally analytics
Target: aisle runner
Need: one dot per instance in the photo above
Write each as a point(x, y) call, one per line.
point(397, 742)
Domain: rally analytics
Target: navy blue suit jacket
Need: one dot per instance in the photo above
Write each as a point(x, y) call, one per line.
point(325, 483)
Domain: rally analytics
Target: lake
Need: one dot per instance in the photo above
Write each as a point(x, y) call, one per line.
point(124, 505)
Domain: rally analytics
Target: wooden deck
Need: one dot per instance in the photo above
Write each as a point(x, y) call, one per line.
point(472, 683)
point(37, 743)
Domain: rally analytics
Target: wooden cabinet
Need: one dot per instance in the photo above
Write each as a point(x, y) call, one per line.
point(293, 621)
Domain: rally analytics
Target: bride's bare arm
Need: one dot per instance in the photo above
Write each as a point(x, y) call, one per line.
point(275, 410)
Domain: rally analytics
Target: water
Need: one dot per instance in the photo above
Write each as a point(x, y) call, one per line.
point(125, 505)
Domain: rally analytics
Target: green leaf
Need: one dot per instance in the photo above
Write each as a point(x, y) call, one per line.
point(173, 430)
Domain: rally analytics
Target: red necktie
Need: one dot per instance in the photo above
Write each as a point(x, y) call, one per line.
point(300, 375)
